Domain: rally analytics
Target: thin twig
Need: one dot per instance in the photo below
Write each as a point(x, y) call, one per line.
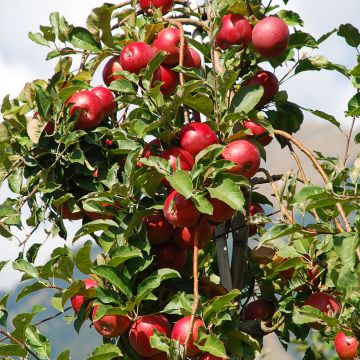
point(189, 21)
point(52, 316)
point(348, 138)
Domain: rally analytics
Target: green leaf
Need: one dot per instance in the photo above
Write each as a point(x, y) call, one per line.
point(200, 103)
point(38, 38)
point(94, 226)
point(122, 254)
point(318, 63)
point(350, 33)
point(123, 86)
point(309, 354)
point(26, 267)
point(290, 17)
point(345, 246)
point(105, 352)
point(120, 281)
point(246, 99)
point(307, 192)
point(34, 128)
point(82, 258)
point(202, 204)
point(278, 231)
point(227, 191)
point(39, 343)
point(151, 67)
point(309, 314)
point(213, 345)
point(300, 39)
point(30, 289)
point(12, 350)
point(64, 355)
point(354, 105)
point(324, 116)
point(81, 38)
point(180, 180)
point(180, 304)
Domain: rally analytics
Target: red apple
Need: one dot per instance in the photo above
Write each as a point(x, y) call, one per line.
point(136, 56)
point(221, 211)
point(196, 136)
point(159, 230)
point(112, 66)
point(259, 132)
point(169, 255)
point(150, 149)
point(111, 326)
point(254, 208)
point(168, 78)
point(168, 40)
point(107, 98)
point(184, 237)
point(180, 331)
point(160, 356)
point(65, 213)
point(235, 30)
point(246, 156)
point(143, 328)
point(88, 108)
point(78, 300)
point(261, 309)
point(268, 81)
point(210, 357)
point(174, 154)
point(165, 5)
point(324, 302)
point(346, 346)
point(179, 211)
point(49, 127)
point(192, 59)
point(270, 36)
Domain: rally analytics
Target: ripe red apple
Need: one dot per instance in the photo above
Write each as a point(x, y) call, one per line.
point(160, 356)
point(246, 156)
point(261, 309)
point(111, 326)
point(180, 331)
point(259, 132)
point(112, 66)
point(169, 255)
point(174, 153)
point(235, 30)
point(49, 127)
point(107, 98)
point(159, 230)
point(221, 211)
point(169, 40)
point(324, 302)
point(78, 300)
point(179, 211)
point(268, 81)
point(165, 5)
point(88, 108)
point(169, 78)
point(196, 136)
point(270, 36)
point(136, 56)
point(143, 328)
point(150, 149)
point(65, 212)
point(192, 59)
point(210, 357)
point(346, 346)
point(184, 237)
point(254, 208)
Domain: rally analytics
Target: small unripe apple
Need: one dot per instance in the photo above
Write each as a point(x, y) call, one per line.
point(192, 59)
point(184, 237)
point(210, 357)
point(168, 40)
point(221, 211)
point(261, 309)
point(246, 156)
point(143, 328)
point(346, 346)
point(88, 108)
point(179, 211)
point(169, 255)
point(112, 66)
point(268, 81)
point(259, 132)
point(254, 208)
point(324, 302)
point(159, 230)
point(181, 329)
point(168, 78)
point(78, 300)
point(270, 36)
point(165, 5)
point(235, 30)
point(136, 56)
point(174, 154)
point(107, 98)
point(65, 213)
point(111, 326)
point(196, 136)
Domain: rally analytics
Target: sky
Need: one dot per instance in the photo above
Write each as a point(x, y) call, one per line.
point(21, 61)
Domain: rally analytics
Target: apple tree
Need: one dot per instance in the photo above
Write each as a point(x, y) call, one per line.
point(160, 167)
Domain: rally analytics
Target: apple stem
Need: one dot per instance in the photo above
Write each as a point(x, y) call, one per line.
point(321, 171)
point(196, 286)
